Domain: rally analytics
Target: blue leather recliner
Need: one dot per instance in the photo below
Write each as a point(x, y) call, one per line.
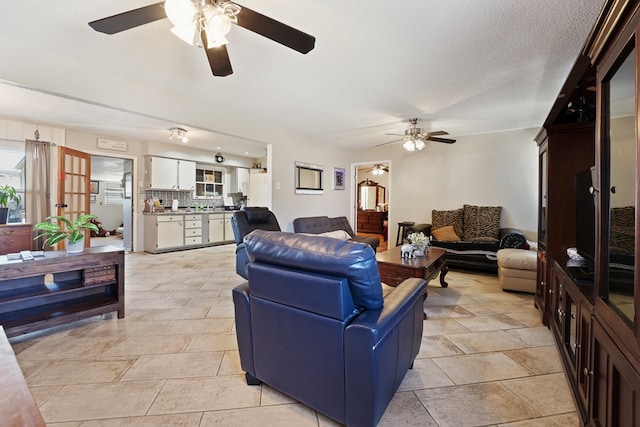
point(312, 323)
point(244, 222)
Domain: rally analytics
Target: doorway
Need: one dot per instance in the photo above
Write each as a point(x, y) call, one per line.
point(112, 200)
point(371, 195)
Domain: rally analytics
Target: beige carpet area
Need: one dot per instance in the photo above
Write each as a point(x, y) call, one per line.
point(485, 359)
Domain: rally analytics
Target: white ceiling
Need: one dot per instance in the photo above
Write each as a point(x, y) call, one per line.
point(463, 66)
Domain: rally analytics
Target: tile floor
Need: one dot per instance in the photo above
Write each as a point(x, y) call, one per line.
point(485, 359)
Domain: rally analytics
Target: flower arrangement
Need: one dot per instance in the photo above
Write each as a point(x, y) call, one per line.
point(418, 239)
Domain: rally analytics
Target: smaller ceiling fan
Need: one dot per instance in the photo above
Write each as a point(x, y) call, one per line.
point(378, 169)
point(205, 23)
point(415, 137)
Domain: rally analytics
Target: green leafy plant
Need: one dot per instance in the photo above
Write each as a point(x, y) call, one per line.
point(70, 230)
point(8, 194)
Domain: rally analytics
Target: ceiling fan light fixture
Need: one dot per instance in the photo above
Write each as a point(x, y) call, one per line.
point(409, 145)
point(377, 169)
point(420, 144)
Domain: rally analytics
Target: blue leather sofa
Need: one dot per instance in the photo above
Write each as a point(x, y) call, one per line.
point(312, 322)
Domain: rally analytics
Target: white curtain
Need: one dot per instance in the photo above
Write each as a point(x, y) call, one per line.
point(37, 184)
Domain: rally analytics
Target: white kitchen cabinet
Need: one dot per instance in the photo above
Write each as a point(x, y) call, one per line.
point(169, 231)
point(170, 174)
point(216, 228)
point(186, 175)
point(228, 229)
point(162, 173)
point(193, 229)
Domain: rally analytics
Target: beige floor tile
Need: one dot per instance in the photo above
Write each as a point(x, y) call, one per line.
point(540, 336)
point(156, 303)
point(115, 328)
point(184, 364)
point(530, 318)
point(564, 420)
point(95, 401)
point(442, 327)
point(548, 394)
point(176, 365)
point(205, 394)
point(475, 405)
point(174, 420)
point(488, 308)
point(213, 342)
point(198, 326)
point(425, 374)
point(271, 396)
point(80, 371)
point(230, 363)
point(483, 367)
point(60, 347)
point(538, 360)
point(437, 345)
point(170, 314)
point(446, 312)
point(151, 344)
point(289, 415)
point(489, 323)
point(476, 342)
point(406, 410)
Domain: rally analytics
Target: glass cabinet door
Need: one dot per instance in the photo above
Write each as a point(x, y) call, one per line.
point(621, 188)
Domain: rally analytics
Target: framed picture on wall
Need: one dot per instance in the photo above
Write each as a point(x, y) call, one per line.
point(94, 187)
point(338, 179)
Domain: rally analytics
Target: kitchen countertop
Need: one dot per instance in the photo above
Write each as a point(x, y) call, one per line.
point(192, 212)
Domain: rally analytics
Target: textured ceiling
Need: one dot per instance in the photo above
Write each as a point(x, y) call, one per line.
point(463, 66)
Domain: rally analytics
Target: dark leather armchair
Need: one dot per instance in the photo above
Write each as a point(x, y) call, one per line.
point(312, 322)
point(244, 222)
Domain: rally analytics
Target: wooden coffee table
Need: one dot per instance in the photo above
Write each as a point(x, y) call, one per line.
point(394, 269)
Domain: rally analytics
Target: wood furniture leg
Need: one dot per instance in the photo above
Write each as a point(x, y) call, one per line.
point(443, 272)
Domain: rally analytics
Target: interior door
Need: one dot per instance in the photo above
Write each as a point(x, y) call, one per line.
point(74, 168)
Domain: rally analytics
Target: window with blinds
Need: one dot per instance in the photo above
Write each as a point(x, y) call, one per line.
point(113, 193)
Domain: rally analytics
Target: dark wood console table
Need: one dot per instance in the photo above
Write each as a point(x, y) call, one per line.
point(60, 288)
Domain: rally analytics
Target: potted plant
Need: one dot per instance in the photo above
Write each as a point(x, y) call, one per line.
point(7, 194)
point(73, 232)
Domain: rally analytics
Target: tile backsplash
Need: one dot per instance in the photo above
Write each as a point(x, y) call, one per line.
point(185, 199)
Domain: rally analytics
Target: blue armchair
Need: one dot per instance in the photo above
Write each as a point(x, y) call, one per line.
point(312, 322)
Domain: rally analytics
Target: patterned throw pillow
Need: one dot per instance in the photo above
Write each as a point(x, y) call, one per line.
point(441, 219)
point(481, 221)
point(623, 230)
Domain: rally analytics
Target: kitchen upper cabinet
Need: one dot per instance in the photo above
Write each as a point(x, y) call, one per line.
point(186, 175)
point(159, 173)
point(170, 174)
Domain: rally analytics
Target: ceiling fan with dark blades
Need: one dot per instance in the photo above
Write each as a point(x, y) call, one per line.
point(378, 169)
point(205, 23)
point(415, 137)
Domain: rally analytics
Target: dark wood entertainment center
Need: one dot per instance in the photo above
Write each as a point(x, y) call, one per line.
point(60, 288)
point(592, 305)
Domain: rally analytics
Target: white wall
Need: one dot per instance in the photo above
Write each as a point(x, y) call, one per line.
point(287, 205)
point(499, 169)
